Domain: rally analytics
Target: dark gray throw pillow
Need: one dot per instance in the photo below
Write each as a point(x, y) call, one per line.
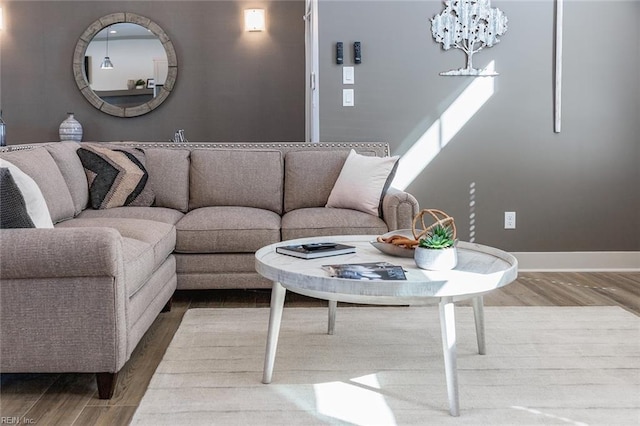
point(13, 209)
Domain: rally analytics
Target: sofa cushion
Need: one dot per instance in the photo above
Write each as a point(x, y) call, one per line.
point(227, 230)
point(13, 209)
point(116, 177)
point(169, 176)
point(139, 263)
point(158, 214)
point(207, 263)
point(146, 245)
point(161, 237)
point(249, 178)
point(309, 177)
point(64, 154)
point(40, 166)
point(319, 221)
point(362, 183)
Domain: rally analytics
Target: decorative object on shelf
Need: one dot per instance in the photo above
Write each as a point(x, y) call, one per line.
point(151, 83)
point(70, 129)
point(179, 136)
point(131, 84)
point(3, 131)
point(436, 249)
point(140, 84)
point(468, 25)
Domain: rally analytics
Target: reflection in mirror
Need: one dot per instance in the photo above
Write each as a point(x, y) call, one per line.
point(136, 55)
point(143, 59)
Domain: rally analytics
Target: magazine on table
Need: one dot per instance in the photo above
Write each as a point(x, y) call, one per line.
point(315, 250)
point(366, 271)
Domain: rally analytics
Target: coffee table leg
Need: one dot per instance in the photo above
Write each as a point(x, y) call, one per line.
point(478, 314)
point(275, 316)
point(448, 330)
point(333, 308)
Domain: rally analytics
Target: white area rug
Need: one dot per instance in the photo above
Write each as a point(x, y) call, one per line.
point(544, 365)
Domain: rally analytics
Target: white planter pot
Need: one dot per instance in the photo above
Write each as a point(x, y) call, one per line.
point(436, 259)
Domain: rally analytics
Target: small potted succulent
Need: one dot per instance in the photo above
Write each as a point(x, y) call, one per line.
point(436, 250)
point(140, 84)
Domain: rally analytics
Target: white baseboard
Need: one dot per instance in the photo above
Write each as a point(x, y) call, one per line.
point(578, 261)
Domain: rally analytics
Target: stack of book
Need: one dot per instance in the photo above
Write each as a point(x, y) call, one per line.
point(315, 250)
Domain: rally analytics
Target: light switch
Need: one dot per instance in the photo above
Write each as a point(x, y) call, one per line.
point(348, 75)
point(347, 97)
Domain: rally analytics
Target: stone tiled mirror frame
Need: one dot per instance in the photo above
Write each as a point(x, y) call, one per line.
point(83, 83)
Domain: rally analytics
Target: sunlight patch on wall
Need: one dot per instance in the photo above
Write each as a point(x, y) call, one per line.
point(356, 403)
point(436, 137)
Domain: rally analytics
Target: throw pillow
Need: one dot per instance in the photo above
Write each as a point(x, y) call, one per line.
point(34, 201)
point(362, 183)
point(117, 177)
point(13, 210)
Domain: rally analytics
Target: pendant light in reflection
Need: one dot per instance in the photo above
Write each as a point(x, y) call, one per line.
point(106, 63)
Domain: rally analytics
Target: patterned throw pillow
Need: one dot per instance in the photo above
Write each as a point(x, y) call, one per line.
point(13, 209)
point(117, 177)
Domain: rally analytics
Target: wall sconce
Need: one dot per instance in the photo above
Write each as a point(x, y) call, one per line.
point(254, 20)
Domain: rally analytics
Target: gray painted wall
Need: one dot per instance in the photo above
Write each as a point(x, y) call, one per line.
point(573, 191)
point(232, 85)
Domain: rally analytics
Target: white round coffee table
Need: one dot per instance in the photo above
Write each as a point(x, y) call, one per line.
point(480, 270)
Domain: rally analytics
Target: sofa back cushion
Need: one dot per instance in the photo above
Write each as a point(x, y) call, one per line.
point(39, 164)
point(169, 176)
point(65, 156)
point(309, 177)
point(248, 178)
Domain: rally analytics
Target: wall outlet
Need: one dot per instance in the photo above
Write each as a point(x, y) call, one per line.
point(509, 220)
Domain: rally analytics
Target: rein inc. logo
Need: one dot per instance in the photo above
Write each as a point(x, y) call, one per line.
point(16, 420)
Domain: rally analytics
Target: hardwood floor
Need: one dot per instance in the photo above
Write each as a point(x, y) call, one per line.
point(71, 399)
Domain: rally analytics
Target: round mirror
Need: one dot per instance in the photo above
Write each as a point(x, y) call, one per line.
point(125, 65)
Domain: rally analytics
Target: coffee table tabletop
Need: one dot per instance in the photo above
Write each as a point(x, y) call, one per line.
point(480, 270)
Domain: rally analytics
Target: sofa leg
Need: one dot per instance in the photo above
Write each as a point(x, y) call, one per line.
point(106, 384)
point(167, 307)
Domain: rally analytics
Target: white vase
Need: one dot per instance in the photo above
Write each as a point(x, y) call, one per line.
point(70, 129)
point(436, 259)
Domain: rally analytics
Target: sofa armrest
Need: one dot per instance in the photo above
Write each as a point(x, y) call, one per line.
point(61, 252)
point(63, 300)
point(398, 209)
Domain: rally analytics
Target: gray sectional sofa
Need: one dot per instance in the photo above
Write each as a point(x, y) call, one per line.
point(80, 296)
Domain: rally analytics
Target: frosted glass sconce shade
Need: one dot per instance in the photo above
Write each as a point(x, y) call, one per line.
point(254, 20)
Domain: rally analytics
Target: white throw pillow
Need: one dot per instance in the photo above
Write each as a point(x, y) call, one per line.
point(33, 198)
point(362, 183)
